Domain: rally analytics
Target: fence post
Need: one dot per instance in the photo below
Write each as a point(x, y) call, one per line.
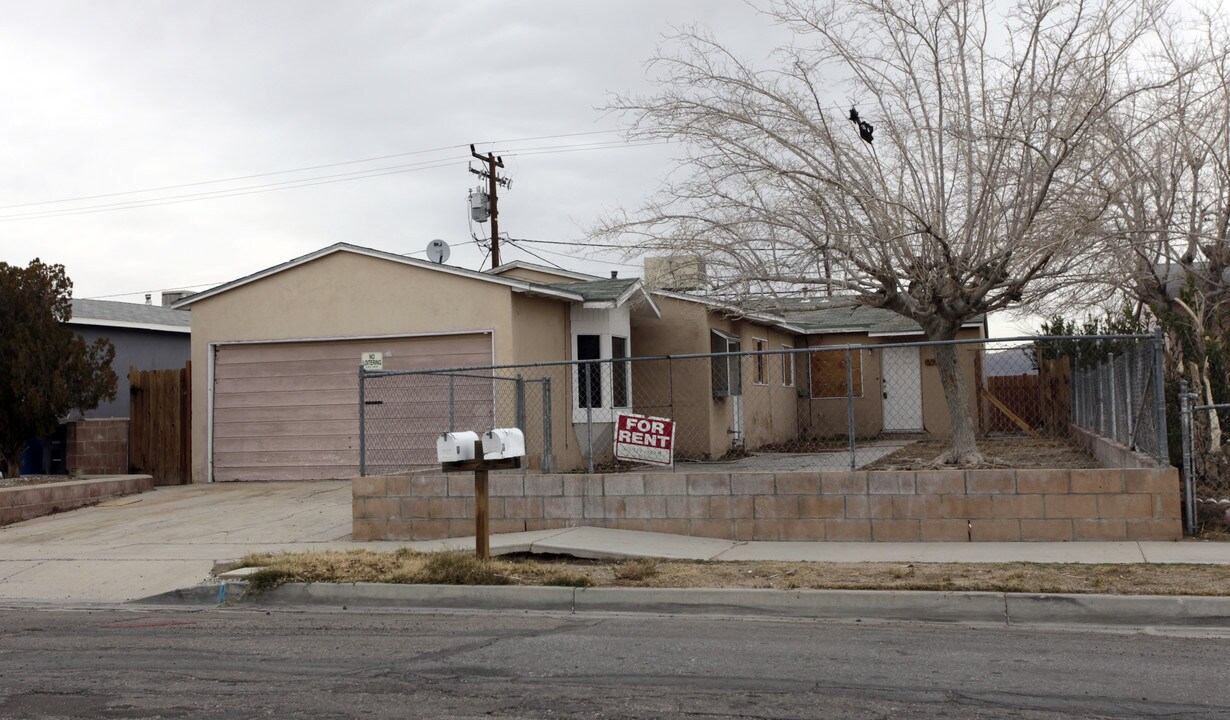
point(589, 419)
point(452, 415)
point(547, 455)
point(520, 402)
point(850, 406)
point(1133, 359)
point(1114, 399)
point(1159, 398)
point(1185, 431)
point(362, 423)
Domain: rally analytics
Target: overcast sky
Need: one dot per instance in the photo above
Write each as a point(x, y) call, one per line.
point(189, 101)
point(108, 98)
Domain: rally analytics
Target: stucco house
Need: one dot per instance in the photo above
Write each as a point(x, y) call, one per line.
point(280, 350)
point(275, 392)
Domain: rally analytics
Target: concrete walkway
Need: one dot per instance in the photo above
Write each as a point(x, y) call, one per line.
point(170, 538)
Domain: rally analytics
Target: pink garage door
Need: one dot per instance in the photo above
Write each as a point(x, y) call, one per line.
point(290, 411)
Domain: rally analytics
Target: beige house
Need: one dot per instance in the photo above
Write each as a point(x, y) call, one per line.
point(277, 354)
point(280, 350)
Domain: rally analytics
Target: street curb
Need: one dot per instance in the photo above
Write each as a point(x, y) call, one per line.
point(916, 606)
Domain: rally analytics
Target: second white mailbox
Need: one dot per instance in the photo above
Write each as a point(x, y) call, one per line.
point(500, 443)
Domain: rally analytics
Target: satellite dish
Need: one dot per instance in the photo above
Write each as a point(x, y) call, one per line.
point(437, 251)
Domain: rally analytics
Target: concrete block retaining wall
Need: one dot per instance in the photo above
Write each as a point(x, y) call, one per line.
point(958, 506)
point(25, 502)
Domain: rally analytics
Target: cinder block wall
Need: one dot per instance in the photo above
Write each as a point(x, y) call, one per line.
point(24, 502)
point(97, 446)
point(957, 506)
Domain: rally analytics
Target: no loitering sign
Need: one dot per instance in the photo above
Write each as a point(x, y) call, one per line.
point(639, 438)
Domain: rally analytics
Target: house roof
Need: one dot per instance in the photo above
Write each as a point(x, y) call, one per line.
point(516, 285)
point(545, 269)
point(764, 318)
point(599, 290)
point(846, 318)
point(107, 313)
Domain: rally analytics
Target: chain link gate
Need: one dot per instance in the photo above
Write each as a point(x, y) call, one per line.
point(1206, 465)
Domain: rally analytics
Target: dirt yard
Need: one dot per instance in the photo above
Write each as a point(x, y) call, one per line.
point(1024, 453)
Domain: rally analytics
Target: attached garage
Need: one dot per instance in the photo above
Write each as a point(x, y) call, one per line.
point(290, 410)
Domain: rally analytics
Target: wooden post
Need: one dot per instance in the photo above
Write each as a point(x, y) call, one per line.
point(482, 529)
point(480, 467)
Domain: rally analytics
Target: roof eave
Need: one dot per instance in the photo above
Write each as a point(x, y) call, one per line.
point(515, 285)
point(96, 322)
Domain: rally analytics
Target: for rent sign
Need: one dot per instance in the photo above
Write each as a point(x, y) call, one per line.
point(644, 439)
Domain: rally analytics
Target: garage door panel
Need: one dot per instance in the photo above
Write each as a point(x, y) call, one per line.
point(290, 411)
point(339, 366)
point(293, 415)
point(323, 443)
point(288, 383)
point(274, 473)
point(283, 399)
point(289, 458)
point(289, 428)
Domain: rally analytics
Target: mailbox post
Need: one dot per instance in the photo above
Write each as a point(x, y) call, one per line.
point(498, 449)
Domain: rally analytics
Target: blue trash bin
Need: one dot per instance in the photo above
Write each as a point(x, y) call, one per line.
point(32, 458)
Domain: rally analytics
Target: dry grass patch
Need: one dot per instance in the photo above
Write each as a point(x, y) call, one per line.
point(411, 567)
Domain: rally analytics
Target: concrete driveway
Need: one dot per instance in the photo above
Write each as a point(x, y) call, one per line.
point(169, 538)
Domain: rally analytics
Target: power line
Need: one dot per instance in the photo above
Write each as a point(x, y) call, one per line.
point(573, 257)
point(576, 243)
point(155, 290)
point(301, 169)
point(267, 187)
point(531, 252)
point(213, 195)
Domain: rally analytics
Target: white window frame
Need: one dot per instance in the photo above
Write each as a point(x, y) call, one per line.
point(760, 362)
point(788, 366)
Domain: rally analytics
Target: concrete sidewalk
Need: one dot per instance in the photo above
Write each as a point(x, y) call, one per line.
point(170, 538)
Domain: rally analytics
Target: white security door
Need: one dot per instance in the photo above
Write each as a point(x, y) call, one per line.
point(902, 389)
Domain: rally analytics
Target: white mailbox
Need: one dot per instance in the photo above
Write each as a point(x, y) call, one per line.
point(456, 446)
point(501, 443)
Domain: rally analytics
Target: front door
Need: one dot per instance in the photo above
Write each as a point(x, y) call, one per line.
point(902, 389)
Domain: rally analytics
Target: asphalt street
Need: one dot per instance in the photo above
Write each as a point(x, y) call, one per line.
point(231, 663)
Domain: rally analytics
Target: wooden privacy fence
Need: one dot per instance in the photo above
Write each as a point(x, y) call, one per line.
point(1035, 404)
point(160, 424)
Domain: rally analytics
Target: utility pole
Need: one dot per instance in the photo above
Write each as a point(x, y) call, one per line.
point(493, 183)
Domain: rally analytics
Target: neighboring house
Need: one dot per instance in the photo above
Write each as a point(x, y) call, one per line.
point(896, 390)
point(147, 337)
point(277, 352)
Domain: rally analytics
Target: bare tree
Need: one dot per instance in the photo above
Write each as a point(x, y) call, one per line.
point(1173, 217)
point(938, 159)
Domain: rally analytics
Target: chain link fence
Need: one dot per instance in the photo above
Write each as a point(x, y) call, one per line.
point(1206, 463)
point(842, 407)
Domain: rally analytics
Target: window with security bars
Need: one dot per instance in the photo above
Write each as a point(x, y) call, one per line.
point(589, 374)
point(620, 375)
point(828, 373)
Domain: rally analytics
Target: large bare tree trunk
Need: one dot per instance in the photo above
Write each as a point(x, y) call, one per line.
point(964, 450)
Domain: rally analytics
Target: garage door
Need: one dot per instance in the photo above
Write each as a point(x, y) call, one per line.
point(289, 411)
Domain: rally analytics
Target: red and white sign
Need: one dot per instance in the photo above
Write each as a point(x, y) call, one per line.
point(639, 438)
